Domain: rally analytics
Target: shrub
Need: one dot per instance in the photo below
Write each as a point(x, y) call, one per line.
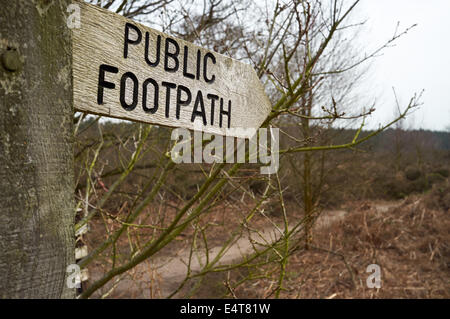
point(434, 178)
point(444, 172)
point(439, 197)
point(412, 174)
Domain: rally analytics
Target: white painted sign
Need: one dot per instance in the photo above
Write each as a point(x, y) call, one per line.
point(125, 70)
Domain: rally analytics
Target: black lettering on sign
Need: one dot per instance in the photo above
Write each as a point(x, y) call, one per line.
point(123, 83)
point(173, 55)
point(101, 80)
point(195, 112)
point(223, 112)
point(185, 63)
point(199, 57)
point(158, 49)
point(205, 67)
point(168, 86)
point(213, 99)
point(129, 26)
point(181, 101)
point(144, 96)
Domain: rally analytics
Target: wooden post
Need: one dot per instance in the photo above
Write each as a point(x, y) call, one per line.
point(36, 150)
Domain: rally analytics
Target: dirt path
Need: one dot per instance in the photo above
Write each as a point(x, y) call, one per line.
point(158, 277)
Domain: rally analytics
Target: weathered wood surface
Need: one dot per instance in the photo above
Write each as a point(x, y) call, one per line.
point(102, 40)
point(36, 151)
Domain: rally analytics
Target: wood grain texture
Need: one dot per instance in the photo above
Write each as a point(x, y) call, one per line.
point(37, 207)
point(101, 39)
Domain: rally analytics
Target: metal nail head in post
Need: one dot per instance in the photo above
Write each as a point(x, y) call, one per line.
point(11, 60)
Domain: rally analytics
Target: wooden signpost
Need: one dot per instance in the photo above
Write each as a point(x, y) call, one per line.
point(125, 70)
point(120, 69)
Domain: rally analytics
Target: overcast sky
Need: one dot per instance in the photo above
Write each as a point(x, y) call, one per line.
point(420, 59)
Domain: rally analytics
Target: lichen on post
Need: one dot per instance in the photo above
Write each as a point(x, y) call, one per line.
point(36, 152)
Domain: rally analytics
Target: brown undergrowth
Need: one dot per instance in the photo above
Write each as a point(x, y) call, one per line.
point(410, 243)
